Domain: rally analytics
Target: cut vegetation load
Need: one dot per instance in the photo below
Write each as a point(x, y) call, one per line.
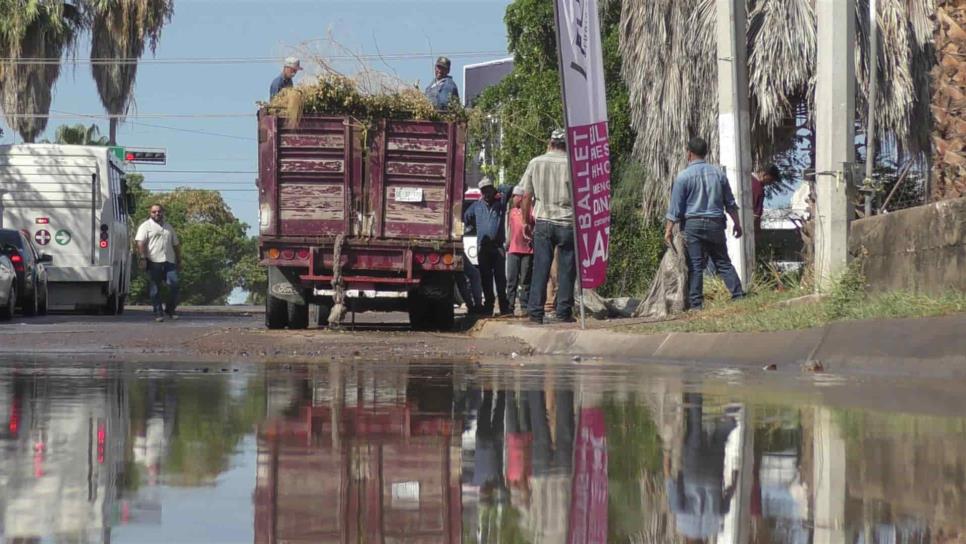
point(359, 203)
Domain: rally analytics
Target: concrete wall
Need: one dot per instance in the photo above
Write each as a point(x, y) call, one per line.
point(920, 249)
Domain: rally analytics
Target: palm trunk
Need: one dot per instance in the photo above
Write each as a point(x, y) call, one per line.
point(112, 139)
point(948, 105)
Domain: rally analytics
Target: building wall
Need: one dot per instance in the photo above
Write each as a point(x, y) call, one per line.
point(921, 249)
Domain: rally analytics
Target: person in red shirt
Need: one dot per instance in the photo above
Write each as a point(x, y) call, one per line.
point(519, 259)
point(760, 180)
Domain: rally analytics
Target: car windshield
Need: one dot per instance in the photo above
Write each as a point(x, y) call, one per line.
point(11, 237)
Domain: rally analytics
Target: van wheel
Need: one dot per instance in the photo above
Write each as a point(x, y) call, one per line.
point(30, 304)
point(7, 311)
point(110, 307)
point(298, 315)
point(120, 304)
point(276, 312)
point(42, 306)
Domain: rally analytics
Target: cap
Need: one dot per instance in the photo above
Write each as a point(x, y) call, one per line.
point(558, 136)
point(518, 190)
point(485, 182)
point(292, 62)
point(444, 62)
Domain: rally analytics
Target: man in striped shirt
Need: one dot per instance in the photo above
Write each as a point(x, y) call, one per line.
point(547, 183)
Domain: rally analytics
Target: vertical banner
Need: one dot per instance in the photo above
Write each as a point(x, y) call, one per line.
point(585, 106)
point(588, 499)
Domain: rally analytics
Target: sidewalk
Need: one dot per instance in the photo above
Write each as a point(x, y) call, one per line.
point(935, 346)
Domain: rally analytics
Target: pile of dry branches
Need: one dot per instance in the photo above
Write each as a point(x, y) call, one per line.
point(949, 101)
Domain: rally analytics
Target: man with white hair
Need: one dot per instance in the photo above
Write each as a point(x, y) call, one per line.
point(284, 80)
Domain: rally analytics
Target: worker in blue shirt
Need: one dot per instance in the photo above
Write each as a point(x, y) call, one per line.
point(700, 197)
point(488, 216)
point(443, 89)
point(284, 81)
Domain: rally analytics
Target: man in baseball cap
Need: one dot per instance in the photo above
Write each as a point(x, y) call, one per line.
point(284, 81)
point(487, 216)
point(443, 90)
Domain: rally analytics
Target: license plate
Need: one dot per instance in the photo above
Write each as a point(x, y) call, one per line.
point(409, 194)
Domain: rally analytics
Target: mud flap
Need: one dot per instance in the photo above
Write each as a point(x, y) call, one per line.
point(283, 284)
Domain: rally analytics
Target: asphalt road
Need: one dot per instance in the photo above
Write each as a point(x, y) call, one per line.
point(232, 334)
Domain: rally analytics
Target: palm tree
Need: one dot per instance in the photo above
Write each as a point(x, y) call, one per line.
point(120, 29)
point(669, 59)
point(79, 135)
point(32, 29)
point(949, 139)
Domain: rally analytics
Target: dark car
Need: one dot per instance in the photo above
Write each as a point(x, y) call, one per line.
point(8, 288)
point(31, 271)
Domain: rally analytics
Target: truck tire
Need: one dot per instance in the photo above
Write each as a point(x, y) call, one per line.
point(110, 306)
point(298, 315)
point(443, 317)
point(420, 312)
point(121, 300)
point(431, 304)
point(322, 317)
point(276, 312)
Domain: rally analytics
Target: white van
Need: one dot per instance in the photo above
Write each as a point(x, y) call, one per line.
point(73, 200)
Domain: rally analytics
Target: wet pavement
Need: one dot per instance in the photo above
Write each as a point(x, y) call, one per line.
point(503, 450)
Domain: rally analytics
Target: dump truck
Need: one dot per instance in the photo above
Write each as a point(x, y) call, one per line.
point(360, 216)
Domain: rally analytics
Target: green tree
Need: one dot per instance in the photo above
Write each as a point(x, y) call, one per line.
point(121, 29)
point(32, 29)
point(213, 243)
point(79, 135)
point(527, 105)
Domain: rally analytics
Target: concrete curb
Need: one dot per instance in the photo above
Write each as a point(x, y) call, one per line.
point(927, 346)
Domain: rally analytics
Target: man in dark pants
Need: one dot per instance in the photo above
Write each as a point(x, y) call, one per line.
point(488, 216)
point(700, 198)
point(547, 181)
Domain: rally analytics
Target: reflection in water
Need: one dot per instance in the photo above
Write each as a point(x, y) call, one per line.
point(407, 453)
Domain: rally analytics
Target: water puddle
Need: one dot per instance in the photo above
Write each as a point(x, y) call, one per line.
point(468, 453)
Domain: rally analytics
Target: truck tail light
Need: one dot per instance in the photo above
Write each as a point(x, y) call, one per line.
point(273, 253)
point(303, 253)
point(17, 261)
point(420, 258)
point(434, 258)
point(288, 254)
point(448, 259)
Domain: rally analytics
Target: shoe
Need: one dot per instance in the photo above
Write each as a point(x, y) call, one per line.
point(537, 320)
point(552, 319)
point(159, 318)
point(174, 317)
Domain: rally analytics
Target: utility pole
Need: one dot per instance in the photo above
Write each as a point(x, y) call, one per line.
point(835, 136)
point(734, 128)
point(873, 91)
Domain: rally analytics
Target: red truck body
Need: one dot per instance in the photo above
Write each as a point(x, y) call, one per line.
point(389, 192)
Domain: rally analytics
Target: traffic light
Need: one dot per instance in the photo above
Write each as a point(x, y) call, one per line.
point(146, 156)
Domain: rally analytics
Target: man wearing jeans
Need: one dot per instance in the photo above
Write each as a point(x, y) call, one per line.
point(160, 250)
point(547, 181)
point(700, 198)
point(487, 216)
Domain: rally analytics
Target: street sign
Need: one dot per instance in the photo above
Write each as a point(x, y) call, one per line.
point(42, 237)
point(146, 155)
point(62, 237)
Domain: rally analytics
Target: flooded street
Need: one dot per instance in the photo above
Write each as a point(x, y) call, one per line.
point(509, 451)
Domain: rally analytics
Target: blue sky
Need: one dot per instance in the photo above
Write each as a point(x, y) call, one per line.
point(259, 30)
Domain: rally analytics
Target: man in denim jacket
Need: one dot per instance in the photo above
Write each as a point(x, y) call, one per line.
point(443, 89)
point(700, 198)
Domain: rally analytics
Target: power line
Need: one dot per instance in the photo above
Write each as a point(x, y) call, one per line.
point(129, 115)
point(177, 129)
point(237, 60)
point(197, 171)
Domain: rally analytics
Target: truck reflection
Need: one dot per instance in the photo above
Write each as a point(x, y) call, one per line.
point(361, 457)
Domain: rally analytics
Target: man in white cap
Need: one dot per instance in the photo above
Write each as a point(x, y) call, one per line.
point(546, 183)
point(488, 216)
point(284, 81)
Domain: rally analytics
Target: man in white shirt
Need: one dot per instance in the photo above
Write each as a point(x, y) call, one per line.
point(160, 250)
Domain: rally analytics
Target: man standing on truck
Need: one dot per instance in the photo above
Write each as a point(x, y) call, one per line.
point(488, 216)
point(443, 90)
point(547, 181)
point(160, 250)
point(284, 81)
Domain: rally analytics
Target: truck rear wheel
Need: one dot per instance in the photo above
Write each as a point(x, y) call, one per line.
point(431, 304)
point(276, 312)
point(298, 315)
